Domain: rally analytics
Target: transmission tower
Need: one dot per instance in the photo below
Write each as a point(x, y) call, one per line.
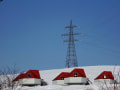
point(71, 58)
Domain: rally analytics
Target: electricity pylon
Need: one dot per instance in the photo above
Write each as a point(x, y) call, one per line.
point(71, 58)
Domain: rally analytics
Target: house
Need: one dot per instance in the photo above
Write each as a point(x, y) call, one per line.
point(59, 80)
point(105, 77)
point(16, 80)
point(30, 78)
point(76, 76)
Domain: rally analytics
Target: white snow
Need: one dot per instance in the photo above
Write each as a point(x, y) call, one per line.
point(91, 72)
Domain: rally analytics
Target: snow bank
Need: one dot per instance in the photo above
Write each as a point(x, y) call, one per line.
point(91, 72)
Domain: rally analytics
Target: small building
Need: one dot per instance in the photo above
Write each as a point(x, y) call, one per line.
point(76, 76)
point(59, 80)
point(31, 78)
point(16, 80)
point(105, 77)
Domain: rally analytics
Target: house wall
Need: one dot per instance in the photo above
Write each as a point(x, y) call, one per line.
point(109, 81)
point(58, 82)
point(16, 83)
point(75, 80)
point(30, 81)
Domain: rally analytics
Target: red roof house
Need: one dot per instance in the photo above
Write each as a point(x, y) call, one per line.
point(31, 77)
point(77, 76)
point(60, 78)
point(105, 77)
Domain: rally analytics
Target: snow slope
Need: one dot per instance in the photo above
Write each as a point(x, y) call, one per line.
point(91, 72)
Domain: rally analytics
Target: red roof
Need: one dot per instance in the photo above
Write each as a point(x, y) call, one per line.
point(32, 74)
point(80, 72)
point(105, 75)
point(20, 76)
point(28, 74)
point(62, 75)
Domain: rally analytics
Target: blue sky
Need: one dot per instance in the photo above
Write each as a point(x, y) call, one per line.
point(30, 32)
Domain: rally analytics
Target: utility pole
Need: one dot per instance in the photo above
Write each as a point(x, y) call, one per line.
point(71, 58)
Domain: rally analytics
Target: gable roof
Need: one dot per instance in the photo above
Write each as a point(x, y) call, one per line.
point(33, 74)
point(79, 71)
point(107, 74)
point(62, 74)
point(20, 76)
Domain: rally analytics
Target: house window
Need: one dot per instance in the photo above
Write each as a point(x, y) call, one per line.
point(104, 77)
point(75, 74)
point(62, 78)
point(28, 75)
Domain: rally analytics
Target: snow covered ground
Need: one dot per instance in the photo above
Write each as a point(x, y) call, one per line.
point(91, 72)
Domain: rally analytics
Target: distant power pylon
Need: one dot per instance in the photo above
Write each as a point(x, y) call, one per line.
point(71, 58)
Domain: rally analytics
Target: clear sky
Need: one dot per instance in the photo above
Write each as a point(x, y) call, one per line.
point(30, 32)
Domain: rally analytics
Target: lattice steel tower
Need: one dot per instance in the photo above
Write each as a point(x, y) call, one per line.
point(71, 58)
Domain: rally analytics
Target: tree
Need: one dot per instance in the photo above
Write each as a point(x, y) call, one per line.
point(7, 75)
